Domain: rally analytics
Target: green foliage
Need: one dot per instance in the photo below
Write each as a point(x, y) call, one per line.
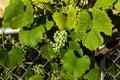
point(117, 6)
point(78, 67)
point(93, 74)
point(90, 29)
point(71, 18)
point(59, 19)
point(12, 58)
point(18, 14)
point(28, 37)
point(60, 35)
point(3, 57)
point(36, 77)
point(15, 57)
point(104, 4)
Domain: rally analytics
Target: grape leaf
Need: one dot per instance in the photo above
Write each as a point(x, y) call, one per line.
point(60, 19)
point(3, 57)
point(15, 57)
point(93, 74)
point(75, 66)
point(117, 6)
point(104, 4)
point(31, 37)
point(18, 14)
point(71, 18)
point(84, 22)
point(92, 40)
point(91, 29)
point(101, 21)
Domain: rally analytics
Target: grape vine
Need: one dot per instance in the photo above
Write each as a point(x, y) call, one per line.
point(57, 38)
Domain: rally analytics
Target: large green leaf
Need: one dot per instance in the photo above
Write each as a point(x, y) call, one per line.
point(71, 18)
point(104, 4)
point(92, 40)
point(15, 57)
point(101, 22)
point(75, 66)
point(3, 57)
point(93, 74)
point(84, 22)
point(18, 14)
point(31, 37)
point(90, 29)
point(60, 19)
point(117, 6)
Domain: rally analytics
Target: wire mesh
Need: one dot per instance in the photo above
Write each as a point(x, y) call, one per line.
point(111, 65)
point(32, 57)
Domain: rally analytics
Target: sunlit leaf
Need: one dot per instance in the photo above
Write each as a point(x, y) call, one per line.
point(59, 19)
point(101, 21)
point(90, 29)
point(71, 19)
point(117, 6)
point(104, 4)
point(31, 37)
point(75, 66)
point(84, 22)
point(18, 14)
point(49, 24)
point(92, 40)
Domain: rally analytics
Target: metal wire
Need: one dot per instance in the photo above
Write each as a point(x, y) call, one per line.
point(110, 65)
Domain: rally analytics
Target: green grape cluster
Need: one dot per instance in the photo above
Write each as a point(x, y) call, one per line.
point(38, 69)
point(56, 76)
point(60, 38)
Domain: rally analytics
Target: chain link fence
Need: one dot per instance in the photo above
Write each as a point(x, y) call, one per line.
point(110, 65)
